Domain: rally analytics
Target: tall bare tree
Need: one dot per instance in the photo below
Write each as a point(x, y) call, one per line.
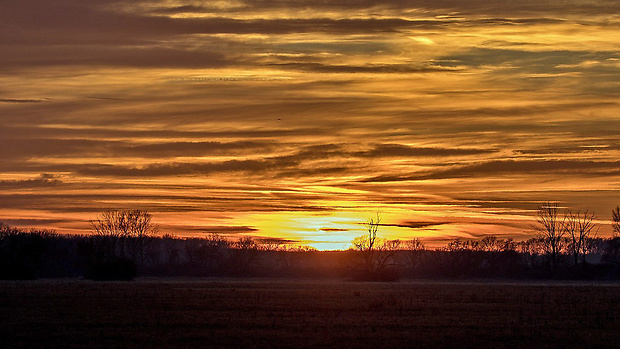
point(615, 221)
point(377, 254)
point(579, 226)
point(366, 243)
point(551, 231)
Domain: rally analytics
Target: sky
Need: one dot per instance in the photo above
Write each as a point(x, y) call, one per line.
point(300, 119)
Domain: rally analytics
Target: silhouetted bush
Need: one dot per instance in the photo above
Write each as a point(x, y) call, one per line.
point(611, 252)
point(21, 253)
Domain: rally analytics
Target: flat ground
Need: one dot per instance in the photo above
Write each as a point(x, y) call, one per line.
point(276, 313)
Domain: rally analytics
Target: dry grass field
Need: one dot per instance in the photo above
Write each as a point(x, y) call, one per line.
point(282, 313)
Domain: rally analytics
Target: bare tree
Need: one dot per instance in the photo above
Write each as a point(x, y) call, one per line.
point(377, 255)
point(531, 250)
point(172, 251)
point(244, 253)
point(204, 255)
point(124, 232)
point(490, 243)
point(508, 245)
point(579, 226)
point(615, 221)
point(414, 250)
point(460, 257)
point(289, 256)
point(491, 246)
point(366, 243)
point(385, 257)
point(140, 229)
point(109, 228)
point(272, 244)
point(284, 255)
point(551, 231)
point(118, 244)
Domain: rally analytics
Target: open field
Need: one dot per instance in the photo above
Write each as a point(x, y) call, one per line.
point(266, 313)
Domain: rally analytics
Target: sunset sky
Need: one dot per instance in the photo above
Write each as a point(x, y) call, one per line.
point(300, 119)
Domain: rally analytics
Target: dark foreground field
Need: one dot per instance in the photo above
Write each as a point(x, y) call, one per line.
point(248, 313)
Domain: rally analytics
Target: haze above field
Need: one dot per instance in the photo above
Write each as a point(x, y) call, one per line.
point(300, 119)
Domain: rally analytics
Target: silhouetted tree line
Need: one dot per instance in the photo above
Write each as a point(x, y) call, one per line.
point(564, 248)
point(124, 244)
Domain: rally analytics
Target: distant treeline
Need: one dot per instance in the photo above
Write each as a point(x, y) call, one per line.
point(124, 245)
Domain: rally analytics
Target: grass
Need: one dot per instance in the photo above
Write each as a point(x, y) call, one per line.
point(272, 313)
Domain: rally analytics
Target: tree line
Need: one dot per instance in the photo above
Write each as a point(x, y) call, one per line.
point(565, 247)
point(124, 244)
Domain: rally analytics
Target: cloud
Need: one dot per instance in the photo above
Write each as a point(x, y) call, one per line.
point(400, 150)
point(276, 241)
point(422, 40)
point(568, 149)
point(43, 180)
point(41, 147)
point(551, 62)
point(386, 178)
point(101, 200)
point(26, 134)
point(520, 167)
point(21, 222)
point(20, 148)
point(178, 168)
point(182, 9)
point(555, 168)
point(14, 100)
point(41, 33)
point(196, 148)
point(143, 57)
point(417, 225)
point(322, 172)
point(226, 230)
point(443, 6)
point(262, 165)
point(500, 118)
point(371, 68)
point(290, 165)
point(39, 22)
point(333, 229)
